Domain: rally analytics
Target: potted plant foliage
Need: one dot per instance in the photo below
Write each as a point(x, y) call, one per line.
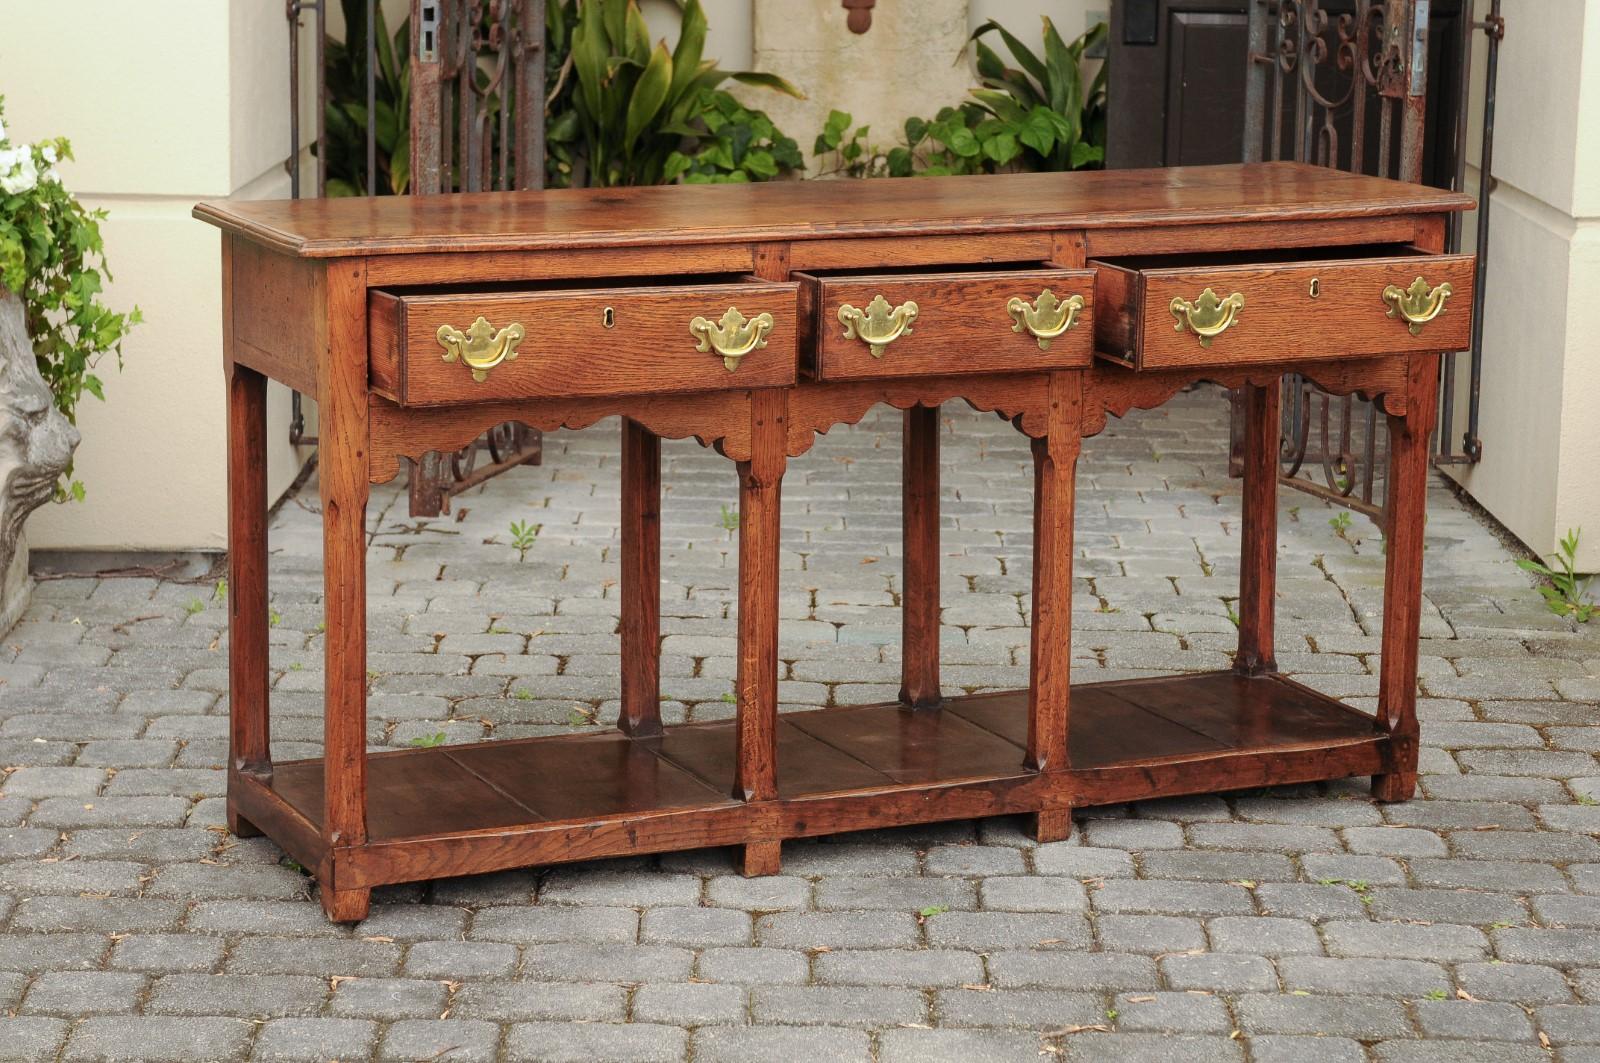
point(53, 330)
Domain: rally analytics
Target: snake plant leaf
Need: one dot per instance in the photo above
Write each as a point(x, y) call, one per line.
point(637, 40)
point(1062, 69)
point(589, 54)
point(1000, 104)
point(988, 63)
point(649, 93)
point(1023, 54)
point(614, 17)
point(691, 45)
point(767, 81)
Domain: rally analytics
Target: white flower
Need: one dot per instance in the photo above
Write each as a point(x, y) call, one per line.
point(51, 176)
point(8, 159)
point(24, 179)
point(49, 153)
point(2, 132)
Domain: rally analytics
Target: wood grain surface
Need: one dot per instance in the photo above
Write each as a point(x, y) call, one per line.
point(809, 210)
point(462, 809)
point(1281, 320)
point(962, 325)
point(568, 352)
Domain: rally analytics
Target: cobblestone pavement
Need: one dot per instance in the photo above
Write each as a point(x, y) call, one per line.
point(1267, 926)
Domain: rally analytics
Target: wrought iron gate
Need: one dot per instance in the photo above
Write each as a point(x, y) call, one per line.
point(1343, 83)
point(476, 123)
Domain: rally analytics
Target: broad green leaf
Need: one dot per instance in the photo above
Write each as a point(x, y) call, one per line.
point(767, 81)
point(1002, 148)
point(1083, 153)
point(649, 93)
point(916, 129)
point(614, 17)
point(677, 164)
point(761, 163)
point(638, 34)
point(962, 142)
point(691, 45)
point(1024, 56)
point(1000, 103)
point(1063, 69)
point(589, 55)
point(1039, 131)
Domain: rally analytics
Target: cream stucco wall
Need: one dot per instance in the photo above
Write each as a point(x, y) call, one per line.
point(1541, 373)
point(161, 111)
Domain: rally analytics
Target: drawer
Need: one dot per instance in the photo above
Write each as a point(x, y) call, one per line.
point(1176, 311)
point(866, 326)
point(432, 348)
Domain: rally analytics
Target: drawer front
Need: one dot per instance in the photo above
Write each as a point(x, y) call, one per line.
point(1281, 312)
point(935, 324)
point(434, 349)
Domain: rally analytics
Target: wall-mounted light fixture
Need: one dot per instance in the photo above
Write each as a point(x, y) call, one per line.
point(860, 18)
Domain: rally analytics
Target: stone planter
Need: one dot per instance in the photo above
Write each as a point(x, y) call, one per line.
point(36, 444)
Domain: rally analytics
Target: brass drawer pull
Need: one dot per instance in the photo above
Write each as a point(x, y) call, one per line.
point(878, 326)
point(733, 337)
point(1418, 304)
point(481, 348)
point(1046, 317)
point(1208, 316)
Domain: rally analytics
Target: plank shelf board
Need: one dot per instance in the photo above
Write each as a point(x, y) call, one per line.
point(1160, 736)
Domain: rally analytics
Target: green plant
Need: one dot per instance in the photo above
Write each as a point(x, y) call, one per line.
point(1340, 522)
point(1038, 115)
point(222, 590)
point(730, 518)
point(429, 741)
point(194, 605)
point(640, 115)
point(1057, 122)
point(1565, 592)
point(738, 145)
point(523, 535)
point(53, 258)
point(345, 117)
point(851, 155)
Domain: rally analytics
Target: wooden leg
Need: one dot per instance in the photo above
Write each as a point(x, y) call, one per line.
point(1405, 507)
point(919, 574)
point(641, 581)
point(756, 698)
point(346, 906)
point(1055, 460)
point(1258, 569)
point(248, 679)
point(343, 477)
point(1054, 825)
point(761, 858)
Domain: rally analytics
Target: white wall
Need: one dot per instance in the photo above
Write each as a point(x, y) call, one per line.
point(1541, 373)
point(162, 108)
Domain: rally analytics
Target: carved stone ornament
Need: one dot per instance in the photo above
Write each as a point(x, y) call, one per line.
point(36, 443)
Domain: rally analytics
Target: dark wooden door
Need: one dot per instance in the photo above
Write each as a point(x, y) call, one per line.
point(1175, 92)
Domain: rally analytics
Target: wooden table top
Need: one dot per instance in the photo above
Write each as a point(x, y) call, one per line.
point(806, 210)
